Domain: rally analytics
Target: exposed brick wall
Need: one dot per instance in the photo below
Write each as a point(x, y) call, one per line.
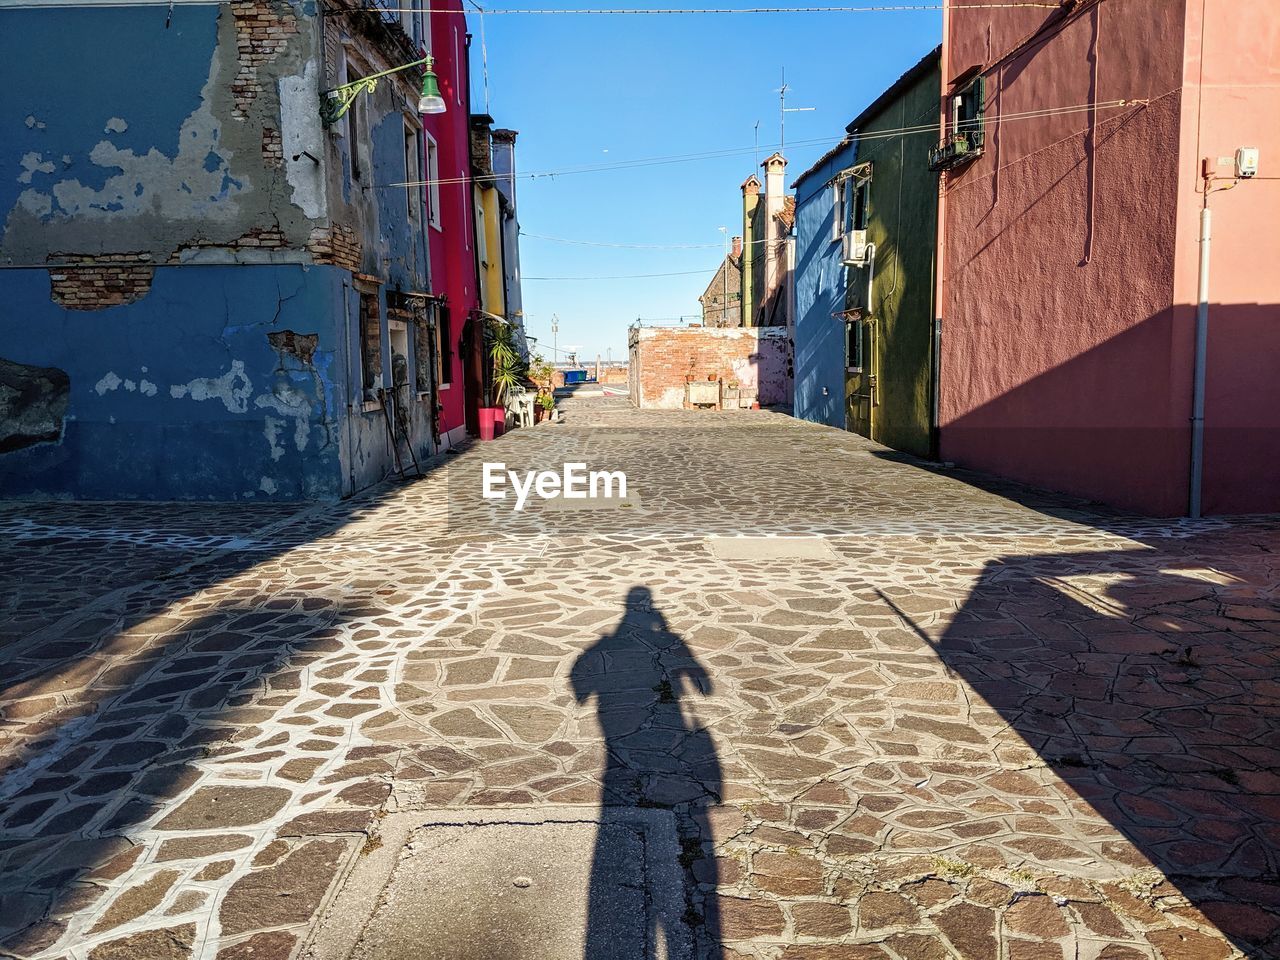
point(255, 239)
point(336, 244)
point(272, 148)
point(91, 283)
point(753, 365)
point(263, 28)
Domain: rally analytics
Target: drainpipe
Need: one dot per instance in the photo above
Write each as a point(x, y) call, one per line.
point(871, 344)
point(346, 363)
point(1197, 383)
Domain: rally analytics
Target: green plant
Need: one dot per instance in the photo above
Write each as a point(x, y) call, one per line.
point(546, 401)
point(509, 368)
point(542, 372)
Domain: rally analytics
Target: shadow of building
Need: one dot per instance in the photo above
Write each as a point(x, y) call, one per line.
point(1145, 679)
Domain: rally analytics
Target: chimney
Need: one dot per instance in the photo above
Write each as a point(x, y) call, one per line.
point(481, 147)
point(774, 168)
point(737, 248)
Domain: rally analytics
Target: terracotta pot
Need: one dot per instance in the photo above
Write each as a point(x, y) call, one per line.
point(713, 377)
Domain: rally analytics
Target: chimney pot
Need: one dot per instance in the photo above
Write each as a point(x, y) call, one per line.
point(737, 247)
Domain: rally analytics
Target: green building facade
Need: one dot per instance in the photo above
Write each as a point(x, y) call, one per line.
point(886, 215)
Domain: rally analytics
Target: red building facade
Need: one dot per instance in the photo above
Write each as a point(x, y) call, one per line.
point(451, 242)
point(1070, 257)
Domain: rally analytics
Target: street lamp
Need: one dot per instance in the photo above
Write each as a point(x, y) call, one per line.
point(336, 102)
point(430, 101)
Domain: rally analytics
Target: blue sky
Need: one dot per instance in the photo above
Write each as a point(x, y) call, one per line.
point(586, 90)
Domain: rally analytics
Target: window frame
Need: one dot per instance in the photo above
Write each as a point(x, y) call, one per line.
point(838, 189)
point(482, 233)
point(412, 170)
point(432, 154)
point(444, 346)
point(853, 346)
point(355, 127)
point(970, 123)
point(369, 312)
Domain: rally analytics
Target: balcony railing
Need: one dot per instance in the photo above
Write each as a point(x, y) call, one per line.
point(956, 149)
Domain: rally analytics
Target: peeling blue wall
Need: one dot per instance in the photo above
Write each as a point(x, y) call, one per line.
point(181, 395)
point(58, 63)
point(820, 293)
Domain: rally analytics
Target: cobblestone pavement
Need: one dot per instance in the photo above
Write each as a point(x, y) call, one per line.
point(926, 718)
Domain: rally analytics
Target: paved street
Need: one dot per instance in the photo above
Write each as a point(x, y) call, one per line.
point(879, 710)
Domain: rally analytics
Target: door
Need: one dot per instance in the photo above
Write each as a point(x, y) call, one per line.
point(859, 375)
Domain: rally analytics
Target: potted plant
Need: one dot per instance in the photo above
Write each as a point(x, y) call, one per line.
point(508, 372)
point(546, 406)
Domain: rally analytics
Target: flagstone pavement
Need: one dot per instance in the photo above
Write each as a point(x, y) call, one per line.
point(932, 716)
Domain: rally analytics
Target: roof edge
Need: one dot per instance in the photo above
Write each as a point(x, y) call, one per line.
point(927, 62)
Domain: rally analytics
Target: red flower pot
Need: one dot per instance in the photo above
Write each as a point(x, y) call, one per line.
point(493, 422)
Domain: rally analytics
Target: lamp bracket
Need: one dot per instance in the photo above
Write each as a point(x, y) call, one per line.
point(336, 102)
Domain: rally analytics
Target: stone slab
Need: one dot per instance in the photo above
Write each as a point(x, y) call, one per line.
point(545, 884)
point(770, 548)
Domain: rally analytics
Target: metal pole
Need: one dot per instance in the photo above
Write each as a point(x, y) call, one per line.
point(1197, 384)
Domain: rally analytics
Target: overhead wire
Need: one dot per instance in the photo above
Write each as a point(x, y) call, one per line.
point(568, 11)
point(725, 153)
point(625, 276)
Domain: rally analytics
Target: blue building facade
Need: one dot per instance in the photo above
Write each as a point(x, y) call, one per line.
point(820, 283)
point(205, 292)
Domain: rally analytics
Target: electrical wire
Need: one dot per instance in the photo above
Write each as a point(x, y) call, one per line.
point(628, 276)
point(992, 120)
point(633, 11)
point(660, 11)
point(631, 246)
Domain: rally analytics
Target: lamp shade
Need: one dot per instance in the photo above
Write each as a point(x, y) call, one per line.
point(430, 101)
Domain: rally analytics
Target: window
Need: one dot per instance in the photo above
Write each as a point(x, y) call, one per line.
point(370, 346)
point(433, 184)
point(412, 151)
point(852, 201)
point(411, 21)
point(853, 345)
point(444, 346)
point(968, 111)
point(424, 350)
point(859, 205)
point(482, 240)
point(355, 128)
point(837, 212)
point(965, 133)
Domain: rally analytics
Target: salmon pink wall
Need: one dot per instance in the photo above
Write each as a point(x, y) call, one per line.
point(1061, 361)
point(1232, 99)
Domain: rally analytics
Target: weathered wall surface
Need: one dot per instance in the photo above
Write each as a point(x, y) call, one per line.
point(1063, 364)
point(1231, 99)
point(758, 360)
point(177, 309)
point(820, 295)
point(220, 384)
point(186, 151)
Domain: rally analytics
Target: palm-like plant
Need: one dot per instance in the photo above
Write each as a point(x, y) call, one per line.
point(508, 367)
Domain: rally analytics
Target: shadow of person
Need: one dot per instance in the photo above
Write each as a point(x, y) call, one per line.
point(656, 758)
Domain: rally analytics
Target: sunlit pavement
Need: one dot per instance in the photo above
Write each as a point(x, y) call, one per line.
point(905, 717)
